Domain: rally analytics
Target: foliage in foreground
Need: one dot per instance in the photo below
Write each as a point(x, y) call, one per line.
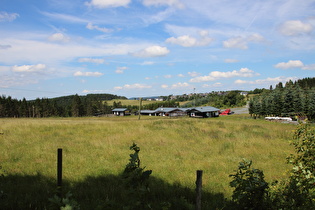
point(298, 192)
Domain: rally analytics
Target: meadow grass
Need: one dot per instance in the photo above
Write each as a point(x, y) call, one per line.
point(173, 148)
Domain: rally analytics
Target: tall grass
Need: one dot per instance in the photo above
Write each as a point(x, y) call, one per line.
point(174, 148)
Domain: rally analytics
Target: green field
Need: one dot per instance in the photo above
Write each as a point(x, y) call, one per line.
point(96, 151)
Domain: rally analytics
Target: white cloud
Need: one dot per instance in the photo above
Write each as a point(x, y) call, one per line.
point(295, 28)
point(243, 72)
point(295, 64)
point(91, 60)
point(53, 53)
point(193, 74)
point(290, 64)
point(94, 27)
point(145, 63)
point(242, 42)
point(236, 42)
point(120, 70)
point(228, 60)
point(309, 67)
point(168, 76)
point(217, 84)
point(153, 51)
point(181, 75)
point(188, 41)
point(175, 3)
point(8, 17)
point(178, 85)
point(87, 74)
point(133, 86)
point(268, 81)
point(108, 3)
point(29, 68)
point(58, 37)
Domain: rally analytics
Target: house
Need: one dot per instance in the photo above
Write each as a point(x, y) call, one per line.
point(171, 112)
point(121, 111)
point(164, 111)
point(148, 112)
point(205, 111)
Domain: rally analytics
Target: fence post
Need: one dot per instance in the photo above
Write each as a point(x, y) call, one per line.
point(198, 189)
point(59, 172)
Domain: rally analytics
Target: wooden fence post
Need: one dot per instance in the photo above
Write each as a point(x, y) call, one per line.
point(198, 189)
point(59, 172)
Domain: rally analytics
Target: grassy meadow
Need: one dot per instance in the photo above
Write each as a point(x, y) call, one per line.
point(96, 151)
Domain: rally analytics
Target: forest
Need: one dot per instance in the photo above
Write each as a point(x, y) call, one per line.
point(66, 106)
point(295, 99)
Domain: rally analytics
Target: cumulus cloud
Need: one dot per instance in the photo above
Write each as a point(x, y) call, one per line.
point(217, 84)
point(94, 27)
point(231, 60)
point(145, 63)
point(236, 42)
point(168, 76)
point(8, 17)
point(242, 42)
point(153, 51)
point(295, 28)
point(91, 60)
point(175, 3)
point(87, 74)
point(120, 70)
point(29, 68)
point(178, 85)
point(243, 72)
point(193, 74)
point(267, 81)
point(291, 64)
point(188, 41)
point(58, 37)
point(108, 3)
point(133, 86)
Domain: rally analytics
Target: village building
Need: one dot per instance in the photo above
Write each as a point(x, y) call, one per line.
point(121, 111)
point(205, 111)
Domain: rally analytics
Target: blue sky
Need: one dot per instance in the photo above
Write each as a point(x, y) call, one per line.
point(136, 48)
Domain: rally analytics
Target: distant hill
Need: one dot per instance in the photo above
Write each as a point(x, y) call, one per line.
point(65, 101)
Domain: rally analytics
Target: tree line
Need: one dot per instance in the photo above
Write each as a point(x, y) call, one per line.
point(225, 99)
point(294, 99)
point(67, 106)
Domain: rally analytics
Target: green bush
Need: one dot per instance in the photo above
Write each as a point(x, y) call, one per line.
point(250, 187)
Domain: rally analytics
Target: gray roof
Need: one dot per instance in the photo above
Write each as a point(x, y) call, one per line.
point(166, 109)
point(205, 109)
point(147, 111)
point(119, 109)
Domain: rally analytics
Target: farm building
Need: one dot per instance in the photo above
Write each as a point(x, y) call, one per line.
point(121, 111)
point(205, 111)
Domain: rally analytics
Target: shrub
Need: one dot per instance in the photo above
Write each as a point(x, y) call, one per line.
point(250, 187)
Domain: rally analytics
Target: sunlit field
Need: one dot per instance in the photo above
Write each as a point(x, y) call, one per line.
point(173, 148)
